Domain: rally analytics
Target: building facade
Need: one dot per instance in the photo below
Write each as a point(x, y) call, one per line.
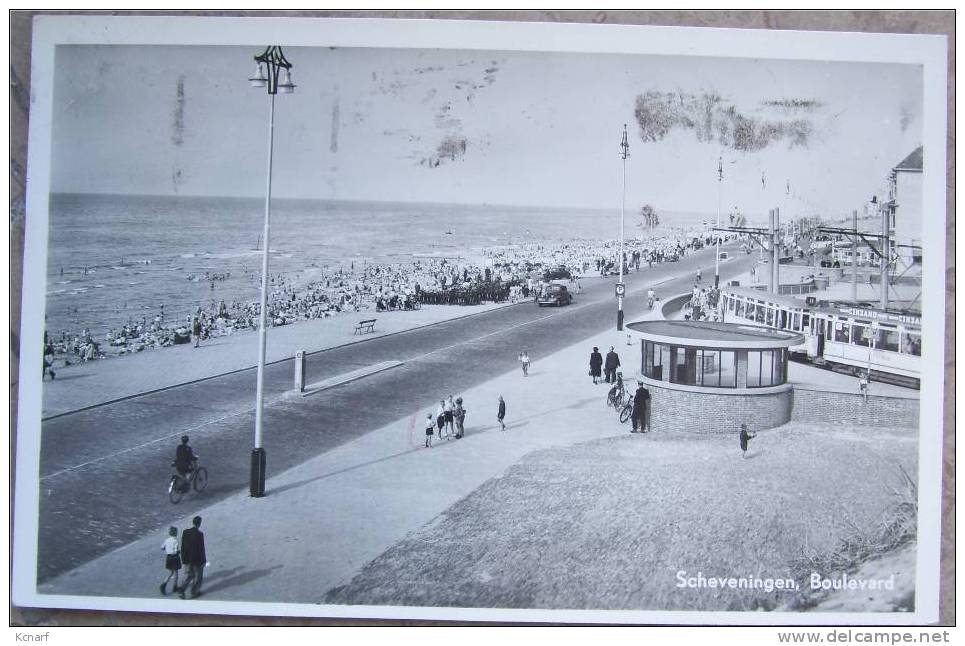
point(708, 377)
point(905, 208)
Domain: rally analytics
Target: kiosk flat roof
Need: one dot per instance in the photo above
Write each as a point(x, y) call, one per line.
point(709, 334)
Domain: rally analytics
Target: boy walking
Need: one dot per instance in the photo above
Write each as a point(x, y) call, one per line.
point(430, 430)
point(524, 360)
point(745, 437)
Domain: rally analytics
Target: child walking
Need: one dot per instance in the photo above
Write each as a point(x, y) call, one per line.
point(745, 437)
point(430, 429)
point(524, 360)
point(172, 558)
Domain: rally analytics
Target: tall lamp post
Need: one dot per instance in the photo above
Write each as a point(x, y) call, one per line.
point(272, 61)
point(624, 153)
point(720, 179)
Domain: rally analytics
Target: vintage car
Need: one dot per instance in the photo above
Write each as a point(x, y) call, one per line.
point(554, 295)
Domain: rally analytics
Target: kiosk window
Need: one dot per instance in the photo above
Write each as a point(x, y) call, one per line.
point(728, 369)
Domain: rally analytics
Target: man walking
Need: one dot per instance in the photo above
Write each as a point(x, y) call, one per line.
point(501, 413)
point(641, 401)
point(610, 365)
point(193, 557)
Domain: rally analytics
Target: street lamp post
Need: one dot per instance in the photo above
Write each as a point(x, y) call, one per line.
point(720, 179)
point(625, 152)
point(274, 62)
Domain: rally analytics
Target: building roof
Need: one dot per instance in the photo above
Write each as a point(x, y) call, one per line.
point(913, 162)
point(709, 334)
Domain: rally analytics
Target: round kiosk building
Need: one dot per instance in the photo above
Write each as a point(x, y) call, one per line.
point(709, 377)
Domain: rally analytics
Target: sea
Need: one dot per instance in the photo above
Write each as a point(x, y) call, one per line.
point(118, 258)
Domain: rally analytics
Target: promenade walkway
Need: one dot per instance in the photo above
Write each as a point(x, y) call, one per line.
point(86, 384)
point(323, 520)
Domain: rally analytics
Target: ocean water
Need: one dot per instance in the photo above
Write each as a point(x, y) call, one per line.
point(112, 258)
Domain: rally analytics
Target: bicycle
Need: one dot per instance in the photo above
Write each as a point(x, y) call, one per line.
point(616, 396)
point(627, 411)
point(180, 485)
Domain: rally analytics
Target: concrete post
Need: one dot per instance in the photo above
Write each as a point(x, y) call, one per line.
point(300, 371)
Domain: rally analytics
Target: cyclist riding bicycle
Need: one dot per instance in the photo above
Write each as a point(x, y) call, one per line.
point(651, 297)
point(184, 458)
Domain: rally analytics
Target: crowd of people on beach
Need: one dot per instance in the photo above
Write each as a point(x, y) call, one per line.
point(504, 273)
point(595, 257)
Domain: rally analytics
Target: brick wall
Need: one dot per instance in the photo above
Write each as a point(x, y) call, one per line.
point(812, 405)
point(711, 413)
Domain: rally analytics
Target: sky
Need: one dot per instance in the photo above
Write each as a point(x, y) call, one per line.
point(485, 127)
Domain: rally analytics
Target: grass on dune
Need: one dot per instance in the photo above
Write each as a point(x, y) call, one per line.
point(609, 523)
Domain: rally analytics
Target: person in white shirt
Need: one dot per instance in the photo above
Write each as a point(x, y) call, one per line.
point(441, 416)
point(524, 360)
point(172, 558)
point(447, 407)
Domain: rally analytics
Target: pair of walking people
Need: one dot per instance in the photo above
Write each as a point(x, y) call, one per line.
point(609, 366)
point(190, 554)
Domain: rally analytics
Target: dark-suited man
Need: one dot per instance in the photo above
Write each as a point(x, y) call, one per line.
point(610, 365)
point(641, 401)
point(193, 557)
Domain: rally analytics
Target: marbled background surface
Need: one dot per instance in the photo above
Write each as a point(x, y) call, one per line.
point(919, 22)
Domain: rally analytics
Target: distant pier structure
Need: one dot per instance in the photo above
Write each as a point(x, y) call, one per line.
point(709, 377)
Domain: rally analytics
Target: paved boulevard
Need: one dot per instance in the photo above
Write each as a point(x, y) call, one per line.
point(104, 471)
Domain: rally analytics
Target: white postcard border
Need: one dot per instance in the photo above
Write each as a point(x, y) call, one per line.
point(50, 31)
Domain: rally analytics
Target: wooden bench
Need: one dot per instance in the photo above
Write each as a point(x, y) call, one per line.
point(364, 327)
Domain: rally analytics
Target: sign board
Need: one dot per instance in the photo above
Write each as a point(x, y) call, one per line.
point(880, 315)
point(621, 289)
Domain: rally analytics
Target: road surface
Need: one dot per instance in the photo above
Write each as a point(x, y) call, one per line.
point(104, 471)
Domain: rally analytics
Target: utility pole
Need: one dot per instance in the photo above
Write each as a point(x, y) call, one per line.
point(776, 252)
point(278, 80)
point(885, 253)
point(720, 179)
point(624, 153)
point(854, 258)
point(787, 213)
